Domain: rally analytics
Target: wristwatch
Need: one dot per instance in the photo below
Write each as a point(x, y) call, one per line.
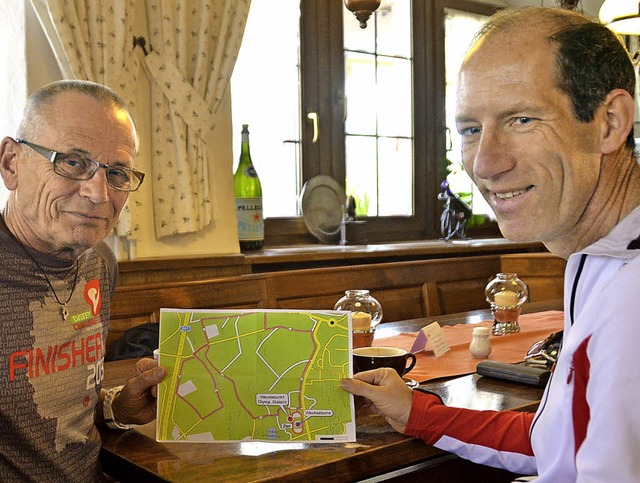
point(107, 409)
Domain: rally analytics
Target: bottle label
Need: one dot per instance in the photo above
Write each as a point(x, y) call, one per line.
point(250, 221)
point(250, 171)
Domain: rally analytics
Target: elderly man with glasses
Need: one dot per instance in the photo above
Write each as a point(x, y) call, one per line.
point(69, 173)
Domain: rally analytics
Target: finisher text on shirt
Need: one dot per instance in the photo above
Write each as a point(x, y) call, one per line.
point(58, 358)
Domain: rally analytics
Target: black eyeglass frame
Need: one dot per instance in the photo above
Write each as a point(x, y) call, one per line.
point(52, 156)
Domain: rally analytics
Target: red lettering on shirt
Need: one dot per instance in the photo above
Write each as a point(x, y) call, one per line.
point(75, 353)
point(62, 354)
point(41, 361)
point(14, 365)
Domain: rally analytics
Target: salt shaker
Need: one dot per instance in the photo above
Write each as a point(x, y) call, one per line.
point(480, 346)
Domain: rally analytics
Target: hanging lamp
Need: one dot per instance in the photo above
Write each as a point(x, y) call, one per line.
point(621, 16)
point(362, 9)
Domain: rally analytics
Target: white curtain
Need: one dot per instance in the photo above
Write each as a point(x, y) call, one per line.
point(93, 40)
point(193, 45)
point(194, 48)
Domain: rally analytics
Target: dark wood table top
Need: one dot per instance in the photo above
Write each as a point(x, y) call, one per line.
point(135, 455)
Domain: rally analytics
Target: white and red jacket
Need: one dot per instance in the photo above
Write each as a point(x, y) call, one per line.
point(587, 427)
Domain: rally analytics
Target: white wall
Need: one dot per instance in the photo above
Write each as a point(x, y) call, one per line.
point(12, 58)
point(13, 77)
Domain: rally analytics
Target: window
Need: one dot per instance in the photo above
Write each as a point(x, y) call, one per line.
point(460, 27)
point(266, 95)
point(374, 100)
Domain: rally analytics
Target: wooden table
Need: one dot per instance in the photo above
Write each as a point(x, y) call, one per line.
point(379, 453)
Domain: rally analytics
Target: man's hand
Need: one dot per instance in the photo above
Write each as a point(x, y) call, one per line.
point(387, 393)
point(136, 404)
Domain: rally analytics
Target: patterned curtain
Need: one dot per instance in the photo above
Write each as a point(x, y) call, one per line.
point(194, 45)
point(92, 40)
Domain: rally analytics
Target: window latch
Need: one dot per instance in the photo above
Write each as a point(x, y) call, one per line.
point(315, 120)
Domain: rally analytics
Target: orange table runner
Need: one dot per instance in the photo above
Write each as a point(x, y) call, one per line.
point(459, 361)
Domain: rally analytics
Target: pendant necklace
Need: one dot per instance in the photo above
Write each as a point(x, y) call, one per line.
point(63, 305)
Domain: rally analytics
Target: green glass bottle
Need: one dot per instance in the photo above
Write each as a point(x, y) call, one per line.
point(248, 191)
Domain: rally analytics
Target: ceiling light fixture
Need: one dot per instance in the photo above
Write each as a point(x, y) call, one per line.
point(362, 9)
point(621, 16)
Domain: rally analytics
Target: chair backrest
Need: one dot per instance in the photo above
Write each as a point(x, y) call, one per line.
point(431, 299)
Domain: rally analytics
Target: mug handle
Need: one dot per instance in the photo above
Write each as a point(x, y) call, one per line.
point(412, 364)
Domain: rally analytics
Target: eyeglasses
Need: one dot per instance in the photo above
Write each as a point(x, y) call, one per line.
point(74, 166)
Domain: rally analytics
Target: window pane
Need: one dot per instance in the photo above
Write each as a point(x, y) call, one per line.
point(380, 177)
point(460, 27)
point(265, 94)
point(393, 20)
point(386, 31)
point(361, 182)
point(355, 38)
point(360, 90)
point(395, 177)
point(394, 97)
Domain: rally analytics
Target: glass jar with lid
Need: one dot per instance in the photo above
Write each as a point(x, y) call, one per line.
point(366, 314)
point(506, 293)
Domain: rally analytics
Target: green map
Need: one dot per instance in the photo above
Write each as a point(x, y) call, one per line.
point(254, 375)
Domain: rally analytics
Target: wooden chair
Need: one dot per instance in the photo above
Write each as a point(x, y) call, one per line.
point(431, 299)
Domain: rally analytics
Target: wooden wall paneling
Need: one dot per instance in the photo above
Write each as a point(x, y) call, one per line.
point(406, 289)
point(398, 303)
point(401, 302)
point(463, 295)
point(132, 305)
point(398, 286)
point(157, 271)
point(542, 272)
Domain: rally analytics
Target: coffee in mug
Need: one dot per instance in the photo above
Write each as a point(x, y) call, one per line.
point(367, 358)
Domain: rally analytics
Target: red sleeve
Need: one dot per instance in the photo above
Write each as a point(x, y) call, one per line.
point(488, 437)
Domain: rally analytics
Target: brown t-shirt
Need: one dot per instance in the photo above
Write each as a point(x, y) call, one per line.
point(51, 369)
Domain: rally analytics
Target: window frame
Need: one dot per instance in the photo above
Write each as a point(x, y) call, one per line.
point(322, 91)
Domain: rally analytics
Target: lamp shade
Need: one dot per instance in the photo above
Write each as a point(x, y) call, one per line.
point(621, 16)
